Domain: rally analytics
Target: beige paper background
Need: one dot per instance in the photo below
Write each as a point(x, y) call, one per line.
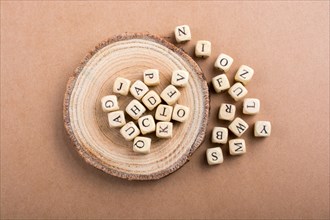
point(284, 176)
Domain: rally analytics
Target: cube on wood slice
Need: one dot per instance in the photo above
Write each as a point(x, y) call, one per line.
point(121, 86)
point(180, 113)
point(170, 94)
point(135, 109)
point(180, 78)
point(116, 119)
point(164, 129)
point(139, 89)
point(129, 131)
point(142, 145)
point(109, 103)
point(151, 77)
point(151, 100)
point(147, 124)
point(164, 113)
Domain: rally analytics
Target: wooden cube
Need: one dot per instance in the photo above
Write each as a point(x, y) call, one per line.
point(262, 128)
point(203, 48)
point(151, 100)
point(223, 62)
point(129, 131)
point(251, 106)
point(237, 91)
point(135, 109)
point(164, 112)
point(244, 74)
point(151, 77)
point(109, 103)
point(116, 119)
point(180, 78)
point(180, 113)
point(238, 126)
point(142, 145)
point(220, 83)
point(121, 86)
point(139, 89)
point(214, 156)
point(147, 124)
point(170, 94)
point(164, 129)
point(182, 33)
point(219, 135)
point(227, 112)
point(237, 147)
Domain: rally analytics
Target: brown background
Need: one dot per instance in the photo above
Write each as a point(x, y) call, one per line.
point(284, 176)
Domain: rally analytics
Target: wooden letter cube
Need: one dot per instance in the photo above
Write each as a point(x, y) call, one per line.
point(164, 129)
point(138, 89)
point(237, 147)
point(151, 100)
point(142, 145)
point(121, 86)
point(227, 112)
point(129, 131)
point(220, 83)
point(223, 62)
point(170, 94)
point(135, 109)
point(251, 106)
point(182, 33)
point(219, 135)
point(238, 126)
point(180, 113)
point(164, 112)
point(214, 156)
point(244, 74)
point(151, 77)
point(147, 124)
point(116, 119)
point(262, 129)
point(180, 78)
point(109, 103)
point(203, 48)
point(237, 91)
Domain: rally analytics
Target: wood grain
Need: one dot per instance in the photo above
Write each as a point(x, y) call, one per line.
point(127, 55)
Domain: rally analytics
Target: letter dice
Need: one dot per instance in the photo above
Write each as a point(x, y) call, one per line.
point(237, 147)
point(151, 77)
point(142, 145)
point(170, 94)
point(151, 100)
point(203, 48)
point(244, 74)
point(164, 129)
point(262, 129)
point(129, 131)
point(135, 109)
point(138, 89)
point(223, 62)
point(219, 135)
point(109, 103)
point(121, 86)
point(147, 124)
point(251, 106)
point(220, 83)
point(164, 113)
point(116, 119)
point(182, 33)
point(237, 91)
point(227, 112)
point(238, 126)
point(214, 156)
point(180, 78)
point(180, 113)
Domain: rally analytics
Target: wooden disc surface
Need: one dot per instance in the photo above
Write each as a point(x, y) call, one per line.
point(128, 55)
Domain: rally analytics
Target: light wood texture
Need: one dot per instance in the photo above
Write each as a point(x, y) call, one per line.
point(128, 55)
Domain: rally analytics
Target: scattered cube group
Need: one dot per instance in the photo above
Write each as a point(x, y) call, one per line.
point(146, 99)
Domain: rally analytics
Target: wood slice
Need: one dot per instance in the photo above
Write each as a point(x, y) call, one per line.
point(128, 55)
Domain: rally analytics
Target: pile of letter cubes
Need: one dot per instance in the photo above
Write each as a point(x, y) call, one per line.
point(237, 91)
point(147, 99)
